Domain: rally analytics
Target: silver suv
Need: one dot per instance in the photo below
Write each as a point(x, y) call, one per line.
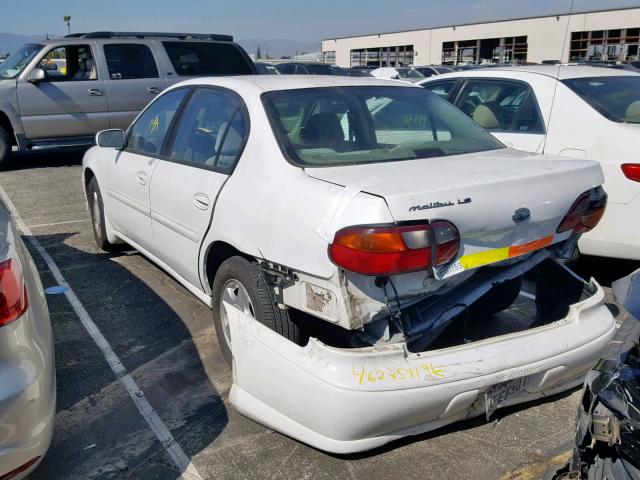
point(59, 93)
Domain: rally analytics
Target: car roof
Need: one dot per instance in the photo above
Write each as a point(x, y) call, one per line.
point(560, 72)
point(267, 83)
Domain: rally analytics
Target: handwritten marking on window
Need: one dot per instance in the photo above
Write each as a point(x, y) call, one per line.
point(154, 124)
point(424, 371)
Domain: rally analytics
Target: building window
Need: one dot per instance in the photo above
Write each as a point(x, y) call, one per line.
point(382, 56)
point(620, 44)
point(487, 50)
point(329, 57)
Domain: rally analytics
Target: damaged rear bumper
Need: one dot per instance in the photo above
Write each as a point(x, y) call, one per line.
point(350, 400)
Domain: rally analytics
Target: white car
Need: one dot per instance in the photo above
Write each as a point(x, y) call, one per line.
point(574, 111)
point(348, 233)
point(406, 74)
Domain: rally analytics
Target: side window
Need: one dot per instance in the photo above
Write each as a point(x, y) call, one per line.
point(501, 105)
point(212, 131)
point(149, 130)
point(207, 58)
point(286, 69)
point(442, 88)
point(300, 70)
point(69, 63)
point(127, 61)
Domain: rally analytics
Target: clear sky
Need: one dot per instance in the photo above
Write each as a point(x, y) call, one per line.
point(289, 19)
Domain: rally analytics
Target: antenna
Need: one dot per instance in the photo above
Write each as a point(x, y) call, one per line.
point(555, 86)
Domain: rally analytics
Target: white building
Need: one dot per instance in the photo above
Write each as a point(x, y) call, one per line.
point(603, 35)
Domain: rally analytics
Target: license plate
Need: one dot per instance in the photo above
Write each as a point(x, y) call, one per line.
point(499, 394)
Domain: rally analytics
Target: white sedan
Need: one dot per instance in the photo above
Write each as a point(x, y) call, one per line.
point(575, 111)
point(360, 243)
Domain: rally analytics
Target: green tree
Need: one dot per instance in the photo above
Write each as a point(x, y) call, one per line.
point(67, 20)
point(258, 55)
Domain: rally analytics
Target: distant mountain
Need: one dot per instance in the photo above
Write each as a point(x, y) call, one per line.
point(277, 47)
point(274, 47)
point(10, 42)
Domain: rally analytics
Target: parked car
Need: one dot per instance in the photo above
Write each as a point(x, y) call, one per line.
point(346, 232)
point(27, 364)
point(104, 80)
point(431, 70)
point(263, 68)
point(358, 72)
point(310, 69)
point(406, 74)
point(574, 111)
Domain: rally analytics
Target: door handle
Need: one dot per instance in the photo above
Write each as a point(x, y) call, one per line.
point(96, 92)
point(153, 90)
point(201, 201)
point(141, 177)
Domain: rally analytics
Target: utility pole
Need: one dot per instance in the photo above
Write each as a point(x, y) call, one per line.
point(67, 20)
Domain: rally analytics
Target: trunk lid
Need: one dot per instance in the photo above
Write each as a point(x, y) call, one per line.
point(505, 203)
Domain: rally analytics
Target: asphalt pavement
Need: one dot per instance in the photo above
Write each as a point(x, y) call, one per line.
point(165, 339)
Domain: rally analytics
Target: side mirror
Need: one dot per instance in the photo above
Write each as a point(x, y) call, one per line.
point(113, 138)
point(37, 75)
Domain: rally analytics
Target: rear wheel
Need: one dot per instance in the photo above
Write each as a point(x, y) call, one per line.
point(241, 284)
point(96, 210)
point(5, 148)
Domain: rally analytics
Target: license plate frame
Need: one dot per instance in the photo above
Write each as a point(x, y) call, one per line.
point(499, 394)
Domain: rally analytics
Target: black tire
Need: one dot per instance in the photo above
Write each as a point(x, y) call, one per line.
point(5, 148)
point(94, 199)
point(263, 304)
point(497, 299)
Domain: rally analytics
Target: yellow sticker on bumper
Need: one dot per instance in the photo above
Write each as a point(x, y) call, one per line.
point(474, 260)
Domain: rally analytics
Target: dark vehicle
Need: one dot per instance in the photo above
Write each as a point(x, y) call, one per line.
point(311, 69)
point(607, 442)
point(356, 72)
point(263, 68)
point(431, 70)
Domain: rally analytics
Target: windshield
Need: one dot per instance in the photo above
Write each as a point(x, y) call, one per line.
point(616, 98)
point(408, 73)
point(326, 70)
point(353, 125)
point(19, 59)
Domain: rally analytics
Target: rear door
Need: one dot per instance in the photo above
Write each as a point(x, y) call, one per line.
point(129, 175)
point(132, 80)
point(207, 142)
point(507, 108)
point(71, 101)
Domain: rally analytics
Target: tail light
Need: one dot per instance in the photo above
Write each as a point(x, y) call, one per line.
point(631, 171)
point(388, 250)
point(585, 213)
point(13, 292)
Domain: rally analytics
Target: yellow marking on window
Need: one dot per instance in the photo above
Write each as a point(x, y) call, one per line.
point(154, 124)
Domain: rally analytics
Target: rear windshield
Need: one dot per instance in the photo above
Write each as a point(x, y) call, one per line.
point(616, 98)
point(315, 69)
point(207, 58)
point(353, 125)
point(408, 73)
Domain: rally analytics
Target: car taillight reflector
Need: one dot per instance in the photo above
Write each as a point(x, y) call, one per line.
point(585, 213)
point(631, 171)
point(13, 292)
point(388, 250)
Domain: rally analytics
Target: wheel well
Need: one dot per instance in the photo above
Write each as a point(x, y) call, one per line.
point(6, 124)
point(88, 175)
point(218, 253)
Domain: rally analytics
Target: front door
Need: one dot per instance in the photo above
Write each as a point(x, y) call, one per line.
point(70, 102)
point(129, 177)
point(208, 141)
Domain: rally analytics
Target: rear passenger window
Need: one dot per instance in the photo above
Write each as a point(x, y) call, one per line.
point(148, 131)
point(501, 105)
point(212, 131)
point(442, 88)
point(127, 61)
point(207, 58)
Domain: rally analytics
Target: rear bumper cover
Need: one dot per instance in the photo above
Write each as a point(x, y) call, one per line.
point(350, 400)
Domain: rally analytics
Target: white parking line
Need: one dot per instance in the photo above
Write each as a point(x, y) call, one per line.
point(527, 295)
point(57, 223)
point(180, 459)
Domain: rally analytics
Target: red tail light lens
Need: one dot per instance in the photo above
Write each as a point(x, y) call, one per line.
point(388, 250)
point(631, 171)
point(585, 213)
point(13, 292)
